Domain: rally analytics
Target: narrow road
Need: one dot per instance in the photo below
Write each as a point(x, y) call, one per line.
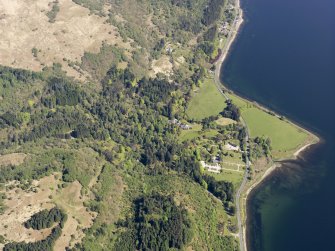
point(221, 88)
point(245, 177)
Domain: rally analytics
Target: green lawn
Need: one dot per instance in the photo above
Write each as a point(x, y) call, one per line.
point(196, 132)
point(285, 137)
point(236, 158)
point(191, 133)
point(230, 176)
point(207, 101)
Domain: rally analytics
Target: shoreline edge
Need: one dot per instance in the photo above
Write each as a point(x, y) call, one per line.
point(237, 23)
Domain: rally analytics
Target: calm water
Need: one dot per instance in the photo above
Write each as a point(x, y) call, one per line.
point(284, 58)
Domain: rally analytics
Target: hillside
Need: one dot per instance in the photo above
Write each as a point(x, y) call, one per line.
point(98, 147)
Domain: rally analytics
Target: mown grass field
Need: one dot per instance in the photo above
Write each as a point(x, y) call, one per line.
point(207, 101)
point(230, 176)
point(285, 137)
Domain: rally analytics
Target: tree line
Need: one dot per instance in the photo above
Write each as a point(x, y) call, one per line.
point(46, 218)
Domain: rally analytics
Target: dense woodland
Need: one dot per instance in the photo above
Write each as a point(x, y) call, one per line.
point(46, 218)
point(133, 114)
point(158, 224)
point(130, 113)
point(122, 116)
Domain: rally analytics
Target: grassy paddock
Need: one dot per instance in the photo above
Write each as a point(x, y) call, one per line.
point(207, 101)
point(285, 137)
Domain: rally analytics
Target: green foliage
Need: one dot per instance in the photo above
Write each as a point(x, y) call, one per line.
point(212, 12)
point(221, 189)
point(56, 124)
point(2, 239)
point(226, 244)
point(107, 204)
point(10, 76)
point(98, 64)
point(154, 91)
point(46, 218)
point(261, 146)
point(231, 111)
point(41, 220)
point(158, 48)
point(210, 34)
point(62, 93)
point(21, 173)
point(52, 14)
point(9, 119)
point(158, 224)
point(204, 211)
point(34, 51)
point(178, 20)
point(2, 205)
point(95, 6)
point(147, 187)
point(133, 115)
point(207, 48)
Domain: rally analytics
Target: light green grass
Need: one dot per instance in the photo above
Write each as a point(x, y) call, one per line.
point(191, 133)
point(207, 101)
point(196, 132)
point(241, 103)
point(225, 121)
point(236, 158)
point(285, 137)
point(230, 176)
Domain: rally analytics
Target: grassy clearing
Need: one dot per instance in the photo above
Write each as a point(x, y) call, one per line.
point(195, 132)
point(192, 133)
point(233, 157)
point(285, 137)
point(225, 121)
point(79, 218)
point(13, 159)
point(207, 101)
point(230, 176)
